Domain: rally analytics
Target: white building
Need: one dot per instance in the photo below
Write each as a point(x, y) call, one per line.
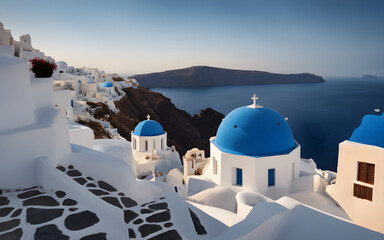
point(150, 151)
point(359, 187)
point(254, 150)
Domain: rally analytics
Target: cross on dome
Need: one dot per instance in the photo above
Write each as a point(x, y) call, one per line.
point(254, 105)
point(148, 117)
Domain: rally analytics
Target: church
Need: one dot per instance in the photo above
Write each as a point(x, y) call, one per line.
point(254, 150)
point(150, 150)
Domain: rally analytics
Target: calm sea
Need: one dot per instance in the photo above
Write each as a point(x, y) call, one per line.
point(321, 115)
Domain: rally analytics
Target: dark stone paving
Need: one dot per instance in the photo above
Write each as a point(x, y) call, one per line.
point(69, 202)
point(61, 168)
point(4, 201)
point(60, 194)
point(82, 220)
point(138, 221)
point(128, 202)
point(200, 229)
point(74, 173)
point(159, 217)
point(8, 225)
point(49, 232)
point(168, 225)
point(41, 201)
point(112, 200)
point(98, 192)
point(80, 180)
point(16, 213)
point(73, 209)
point(91, 185)
point(147, 229)
point(14, 235)
point(129, 215)
point(5, 211)
point(171, 234)
point(158, 206)
point(146, 211)
point(97, 236)
point(131, 233)
point(41, 215)
point(106, 186)
point(29, 194)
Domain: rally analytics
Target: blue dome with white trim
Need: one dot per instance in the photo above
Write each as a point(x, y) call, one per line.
point(106, 85)
point(254, 132)
point(370, 131)
point(148, 128)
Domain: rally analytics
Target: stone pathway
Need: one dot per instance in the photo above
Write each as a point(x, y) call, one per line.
point(151, 220)
point(48, 214)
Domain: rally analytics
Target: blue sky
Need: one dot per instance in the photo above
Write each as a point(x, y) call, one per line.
point(325, 37)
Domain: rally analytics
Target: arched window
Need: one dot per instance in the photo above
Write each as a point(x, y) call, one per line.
point(146, 145)
point(154, 144)
point(134, 143)
point(162, 143)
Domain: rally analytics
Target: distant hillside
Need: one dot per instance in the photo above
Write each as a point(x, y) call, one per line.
point(203, 76)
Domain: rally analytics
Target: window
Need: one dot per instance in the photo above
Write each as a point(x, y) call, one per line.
point(239, 176)
point(162, 144)
point(60, 71)
point(293, 171)
point(366, 172)
point(214, 165)
point(271, 177)
point(154, 144)
point(134, 143)
point(146, 145)
point(362, 192)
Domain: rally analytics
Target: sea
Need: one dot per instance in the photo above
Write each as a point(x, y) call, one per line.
point(321, 115)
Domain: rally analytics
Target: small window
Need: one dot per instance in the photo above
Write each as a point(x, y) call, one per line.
point(239, 176)
point(214, 165)
point(146, 145)
point(154, 144)
point(162, 144)
point(61, 71)
point(366, 172)
point(362, 192)
point(271, 177)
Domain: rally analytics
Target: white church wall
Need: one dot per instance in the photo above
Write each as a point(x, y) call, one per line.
point(149, 143)
point(369, 214)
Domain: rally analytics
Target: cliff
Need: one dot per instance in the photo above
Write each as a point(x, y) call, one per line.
point(203, 76)
point(184, 131)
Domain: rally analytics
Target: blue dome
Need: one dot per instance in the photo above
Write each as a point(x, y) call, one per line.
point(148, 128)
point(370, 131)
point(254, 132)
point(106, 85)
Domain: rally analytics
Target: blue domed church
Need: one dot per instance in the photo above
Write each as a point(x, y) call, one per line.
point(254, 150)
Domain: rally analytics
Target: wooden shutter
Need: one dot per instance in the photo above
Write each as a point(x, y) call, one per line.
point(370, 173)
point(362, 172)
point(362, 192)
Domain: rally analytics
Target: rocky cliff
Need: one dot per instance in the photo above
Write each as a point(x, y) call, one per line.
point(203, 76)
point(184, 131)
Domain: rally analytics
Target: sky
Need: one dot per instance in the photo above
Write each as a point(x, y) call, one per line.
point(324, 37)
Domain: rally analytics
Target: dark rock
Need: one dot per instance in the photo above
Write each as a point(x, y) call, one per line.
point(138, 221)
point(61, 168)
point(70, 167)
point(82, 220)
point(128, 202)
point(5, 211)
point(73, 209)
point(69, 202)
point(171, 234)
point(98, 192)
point(131, 233)
point(50, 232)
point(97, 236)
point(41, 201)
point(159, 217)
point(146, 211)
point(8, 225)
point(4, 201)
point(200, 229)
point(147, 229)
point(112, 200)
point(129, 215)
point(91, 179)
point(106, 186)
point(29, 194)
point(80, 180)
point(90, 185)
point(121, 194)
point(16, 213)
point(14, 235)
point(158, 206)
point(168, 225)
point(74, 173)
point(60, 194)
point(40, 215)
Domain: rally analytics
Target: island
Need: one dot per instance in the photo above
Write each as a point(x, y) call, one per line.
point(204, 76)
